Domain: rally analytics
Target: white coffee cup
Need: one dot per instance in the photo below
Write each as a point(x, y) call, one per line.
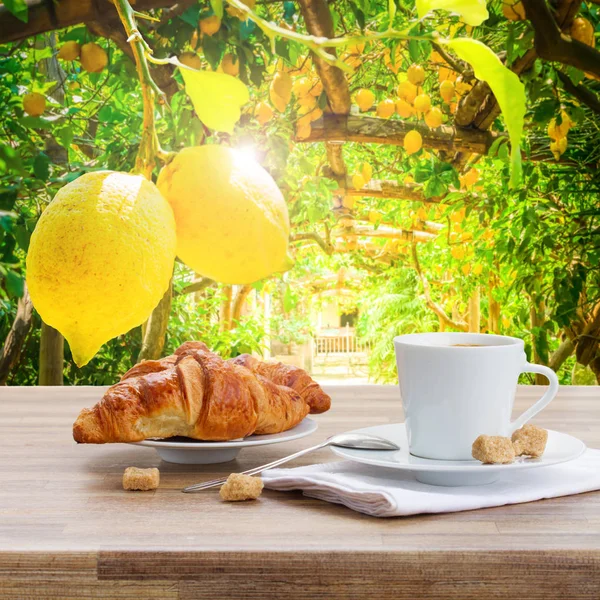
point(457, 386)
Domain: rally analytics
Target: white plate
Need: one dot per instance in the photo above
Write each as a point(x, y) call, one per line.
point(560, 448)
point(186, 451)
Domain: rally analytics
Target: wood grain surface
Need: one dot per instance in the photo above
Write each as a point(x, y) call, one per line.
point(68, 530)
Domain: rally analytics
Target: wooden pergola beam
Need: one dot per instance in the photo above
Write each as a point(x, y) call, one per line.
point(389, 233)
point(373, 130)
point(381, 188)
point(418, 224)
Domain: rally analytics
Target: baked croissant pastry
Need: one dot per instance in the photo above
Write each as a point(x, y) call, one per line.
point(294, 377)
point(193, 393)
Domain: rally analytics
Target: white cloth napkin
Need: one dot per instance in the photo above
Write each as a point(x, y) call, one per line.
point(386, 493)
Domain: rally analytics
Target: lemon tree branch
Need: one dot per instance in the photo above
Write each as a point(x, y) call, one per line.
point(149, 148)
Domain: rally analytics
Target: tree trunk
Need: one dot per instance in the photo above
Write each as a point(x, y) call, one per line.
point(156, 328)
point(537, 313)
point(52, 346)
point(561, 354)
point(15, 339)
point(240, 299)
point(493, 312)
point(226, 308)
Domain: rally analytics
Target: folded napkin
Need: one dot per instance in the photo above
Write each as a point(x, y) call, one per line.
point(387, 493)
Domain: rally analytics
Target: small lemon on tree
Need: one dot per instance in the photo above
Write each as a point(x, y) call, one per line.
point(34, 104)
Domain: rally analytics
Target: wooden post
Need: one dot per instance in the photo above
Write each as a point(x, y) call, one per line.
point(475, 311)
point(52, 346)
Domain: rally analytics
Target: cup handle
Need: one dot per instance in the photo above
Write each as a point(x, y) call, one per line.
point(543, 401)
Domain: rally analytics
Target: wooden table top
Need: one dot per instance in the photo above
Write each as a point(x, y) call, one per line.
point(68, 530)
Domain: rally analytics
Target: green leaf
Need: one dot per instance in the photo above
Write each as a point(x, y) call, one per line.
point(472, 12)
point(507, 88)
point(15, 284)
point(192, 15)
point(22, 235)
point(392, 10)
point(435, 187)
point(217, 97)
point(65, 137)
point(18, 8)
point(41, 166)
point(217, 6)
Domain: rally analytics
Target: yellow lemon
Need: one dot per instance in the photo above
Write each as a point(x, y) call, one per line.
point(232, 220)
point(358, 181)
point(191, 59)
point(471, 177)
point(69, 51)
point(413, 141)
point(365, 99)
point(407, 91)
point(210, 25)
point(282, 85)
point(422, 103)
point(301, 87)
point(447, 90)
point(404, 109)
point(34, 104)
point(583, 31)
point(416, 74)
point(93, 58)
point(280, 90)
point(558, 147)
point(557, 132)
point(386, 108)
point(230, 65)
point(433, 118)
point(101, 258)
point(263, 112)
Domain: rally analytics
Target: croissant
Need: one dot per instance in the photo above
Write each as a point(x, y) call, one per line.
point(293, 377)
point(193, 393)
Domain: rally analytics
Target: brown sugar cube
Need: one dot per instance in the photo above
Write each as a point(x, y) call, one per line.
point(140, 479)
point(240, 487)
point(530, 441)
point(493, 449)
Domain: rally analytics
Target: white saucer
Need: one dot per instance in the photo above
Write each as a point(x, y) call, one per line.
point(185, 451)
point(560, 448)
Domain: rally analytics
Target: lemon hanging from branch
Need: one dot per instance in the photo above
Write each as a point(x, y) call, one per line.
point(232, 220)
point(101, 258)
